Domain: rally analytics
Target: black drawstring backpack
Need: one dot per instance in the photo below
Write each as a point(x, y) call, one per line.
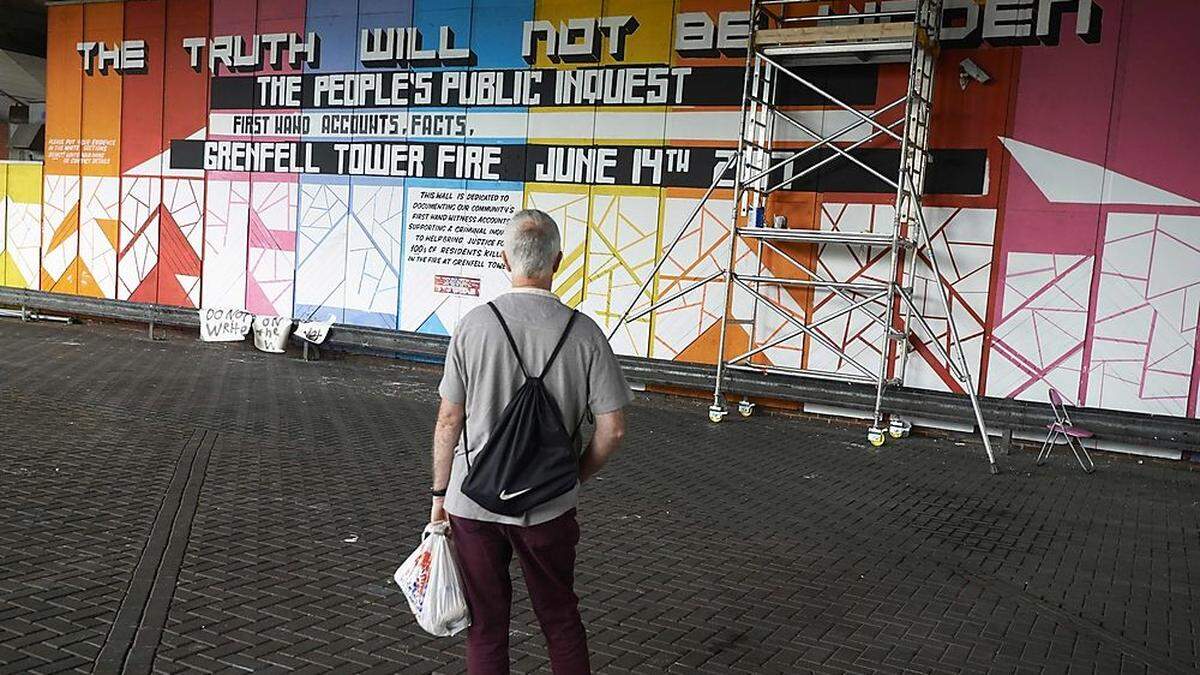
point(530, 458)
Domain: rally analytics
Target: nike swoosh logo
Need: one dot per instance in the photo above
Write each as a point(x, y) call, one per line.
point(505, 495)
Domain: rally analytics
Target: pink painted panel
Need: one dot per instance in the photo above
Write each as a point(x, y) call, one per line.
point(1153, 133)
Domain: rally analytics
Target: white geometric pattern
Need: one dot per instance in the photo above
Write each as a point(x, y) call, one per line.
point(701, 251)
point(24, 232)
point(138, 254)
point(1144, 339)
point(568, 205)
point(99, 205)
point(374, 253)
point(61, 196)
point(962, 240)
point(225, 244)
point(321, 250)
point(621, 250)
point(271, 247)
point(1067, 180)
point(1038, 339)
point(184, 199)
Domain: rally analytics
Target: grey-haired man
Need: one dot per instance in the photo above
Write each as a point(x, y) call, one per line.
point(480, 378)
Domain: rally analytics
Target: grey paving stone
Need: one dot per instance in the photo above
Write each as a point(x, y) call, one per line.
point(773, 544)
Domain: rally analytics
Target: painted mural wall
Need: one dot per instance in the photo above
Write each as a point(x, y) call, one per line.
point(20, 223)
point(357, 159)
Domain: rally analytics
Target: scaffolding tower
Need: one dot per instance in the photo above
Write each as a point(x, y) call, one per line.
point(787, 38)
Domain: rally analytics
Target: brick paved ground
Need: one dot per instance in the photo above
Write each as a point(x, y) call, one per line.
point(185, 507)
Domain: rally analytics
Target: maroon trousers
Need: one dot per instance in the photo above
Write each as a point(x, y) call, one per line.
point(547, 556)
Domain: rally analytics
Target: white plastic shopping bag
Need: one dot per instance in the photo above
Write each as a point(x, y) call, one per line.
point(429, 579)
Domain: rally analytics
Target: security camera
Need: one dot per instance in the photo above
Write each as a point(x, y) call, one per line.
point(969, 70)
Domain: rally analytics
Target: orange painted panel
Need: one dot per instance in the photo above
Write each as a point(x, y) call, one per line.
point(64, 81)
point(60, 194)
point(100, 127)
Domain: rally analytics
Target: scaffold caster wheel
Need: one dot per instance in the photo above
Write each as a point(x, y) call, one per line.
point(716, 413)
point(745, 408)
point(899, 428)
point(876, 436)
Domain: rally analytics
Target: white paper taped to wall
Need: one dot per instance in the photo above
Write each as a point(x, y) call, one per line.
point(271, 333)
point(224, 325)
point(314, 332)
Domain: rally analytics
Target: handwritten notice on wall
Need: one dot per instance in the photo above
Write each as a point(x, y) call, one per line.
point(271, 333)
point(452, 254)
point(224, 325)
point(314, 332)
point(460, 229)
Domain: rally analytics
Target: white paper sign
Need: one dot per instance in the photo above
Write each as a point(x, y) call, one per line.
point(314, 331)
point(452, 264)
point(224, 325)
point(271, 333)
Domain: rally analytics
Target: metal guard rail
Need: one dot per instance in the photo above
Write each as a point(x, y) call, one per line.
point(1159, 431)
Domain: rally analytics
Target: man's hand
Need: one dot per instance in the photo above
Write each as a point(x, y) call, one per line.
point(437, 512)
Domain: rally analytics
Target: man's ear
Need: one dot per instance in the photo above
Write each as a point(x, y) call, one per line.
point(557, 261)
point(504, 257)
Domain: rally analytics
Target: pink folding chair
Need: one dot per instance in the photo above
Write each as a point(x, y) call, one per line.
point(1063, 427)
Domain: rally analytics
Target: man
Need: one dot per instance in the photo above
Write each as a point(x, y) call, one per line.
point(481, 376)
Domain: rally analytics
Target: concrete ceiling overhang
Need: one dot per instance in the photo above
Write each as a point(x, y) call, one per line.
point(23, 26)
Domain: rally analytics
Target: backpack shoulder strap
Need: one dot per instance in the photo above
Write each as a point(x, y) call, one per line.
point(561, 340)
point(511, 342)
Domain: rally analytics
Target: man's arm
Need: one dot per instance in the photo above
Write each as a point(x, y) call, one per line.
point(610, 431)
point(445, 438)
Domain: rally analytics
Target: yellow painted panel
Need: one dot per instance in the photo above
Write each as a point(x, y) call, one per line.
point(568, 206)
point(622, 243)
point(3, 219)
point(652, 39)
point(23, 226)
point(558, 12)
point(25, 183)
point(9, 273)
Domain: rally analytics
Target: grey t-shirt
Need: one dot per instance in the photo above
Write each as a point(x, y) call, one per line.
point(482, 371)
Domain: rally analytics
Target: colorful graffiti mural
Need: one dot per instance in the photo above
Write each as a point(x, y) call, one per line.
point(355, 160)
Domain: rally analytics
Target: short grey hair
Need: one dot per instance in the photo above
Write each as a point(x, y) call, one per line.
point(532, 241)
